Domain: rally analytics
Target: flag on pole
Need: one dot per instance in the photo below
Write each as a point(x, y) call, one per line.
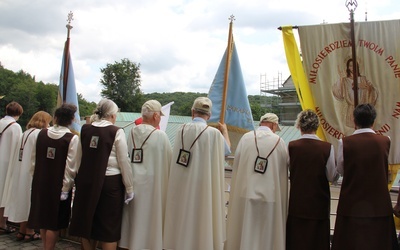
point(297, 71)
point(166, 109)
point(238, 113)
point(66, 89)
point(229, 96)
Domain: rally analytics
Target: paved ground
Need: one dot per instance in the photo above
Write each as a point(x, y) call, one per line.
point(8, 241)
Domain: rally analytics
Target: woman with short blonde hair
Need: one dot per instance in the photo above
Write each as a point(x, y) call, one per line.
point(312, 167)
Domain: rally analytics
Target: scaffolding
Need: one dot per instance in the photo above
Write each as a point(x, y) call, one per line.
point(280, 97)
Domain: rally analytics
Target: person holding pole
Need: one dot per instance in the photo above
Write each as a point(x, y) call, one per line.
point(195, 208)
point(259, 190)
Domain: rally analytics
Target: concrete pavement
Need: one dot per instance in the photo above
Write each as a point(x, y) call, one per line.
point(9, 242)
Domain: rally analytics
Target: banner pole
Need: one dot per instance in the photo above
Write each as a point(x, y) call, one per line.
point(66, 57)
point(227, 68)
point(351, 6)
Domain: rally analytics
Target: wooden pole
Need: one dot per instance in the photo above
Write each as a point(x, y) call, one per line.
point(229, 49)
point(66, 58)
point(354, 58)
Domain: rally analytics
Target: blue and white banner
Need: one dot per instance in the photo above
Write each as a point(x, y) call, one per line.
point(238, 113)
point(71, 95)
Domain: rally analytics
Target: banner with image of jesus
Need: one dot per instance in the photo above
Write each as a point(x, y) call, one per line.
point(327, 59)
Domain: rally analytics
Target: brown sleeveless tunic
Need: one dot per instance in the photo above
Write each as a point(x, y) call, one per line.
point(364, 191)
point(364, 214)
point(47, 211)
point(309, 187)
point(308, 226)
point(97, 143)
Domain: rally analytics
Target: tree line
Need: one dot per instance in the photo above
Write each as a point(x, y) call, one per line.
point(121, 83)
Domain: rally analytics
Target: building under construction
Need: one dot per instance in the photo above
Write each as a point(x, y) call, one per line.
point(280, 97)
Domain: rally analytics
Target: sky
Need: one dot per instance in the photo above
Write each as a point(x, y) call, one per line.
point(179, 44)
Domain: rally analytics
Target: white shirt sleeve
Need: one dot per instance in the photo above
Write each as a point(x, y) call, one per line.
point(72, 164)
point(123, 160)
point(339, 157)
point(331, 172)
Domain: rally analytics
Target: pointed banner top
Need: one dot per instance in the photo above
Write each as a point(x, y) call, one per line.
point(232, 18)
point(351, 5)
point(70, 18)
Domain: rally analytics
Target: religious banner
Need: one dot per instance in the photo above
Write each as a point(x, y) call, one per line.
point(238, 111)
point(328, 65)
point(67, 89)
point(230, 104)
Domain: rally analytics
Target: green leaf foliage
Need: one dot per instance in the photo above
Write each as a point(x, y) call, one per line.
point(121, 82)
point(33, 96)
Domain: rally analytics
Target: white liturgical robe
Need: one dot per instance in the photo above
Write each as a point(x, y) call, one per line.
point(143, 217)
point(195, 215)
point(258, 202)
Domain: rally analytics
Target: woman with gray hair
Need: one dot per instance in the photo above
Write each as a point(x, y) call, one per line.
point(104, 177)
point(312, 167)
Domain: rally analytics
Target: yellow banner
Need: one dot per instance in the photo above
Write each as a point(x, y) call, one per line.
point(297, 72)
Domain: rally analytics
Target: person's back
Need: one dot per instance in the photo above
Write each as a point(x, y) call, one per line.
point(195, 201)
point(104, 180)
point(309, 186)
point(258, 198)
point(312, 167)
point(195, 209)
point(10, 134)
point(365, 172)
point(364, 214)
point(143, 218)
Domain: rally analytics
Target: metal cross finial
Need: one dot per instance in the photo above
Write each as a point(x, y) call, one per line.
point(70, 19)
point(232, 18)
point(351, 5)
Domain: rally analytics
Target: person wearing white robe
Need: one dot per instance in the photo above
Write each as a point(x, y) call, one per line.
point(19, 198)
point(258, 201)
point(143, 218)
point(195, 210)
point(11, 133)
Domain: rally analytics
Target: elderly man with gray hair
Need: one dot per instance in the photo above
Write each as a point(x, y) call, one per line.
point(150, 157)
point(195, 211)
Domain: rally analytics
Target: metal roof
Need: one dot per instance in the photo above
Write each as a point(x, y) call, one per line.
point(125, 121)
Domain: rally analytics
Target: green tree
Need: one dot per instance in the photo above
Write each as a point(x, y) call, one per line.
point(85, 108)
point(121, 82)
point(33, 96)
point(46, 95)
point(256, 111)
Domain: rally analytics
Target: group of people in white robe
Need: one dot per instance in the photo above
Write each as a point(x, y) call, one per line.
point(138, 193)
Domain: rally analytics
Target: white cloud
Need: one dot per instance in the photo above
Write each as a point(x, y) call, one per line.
point(178, 43)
